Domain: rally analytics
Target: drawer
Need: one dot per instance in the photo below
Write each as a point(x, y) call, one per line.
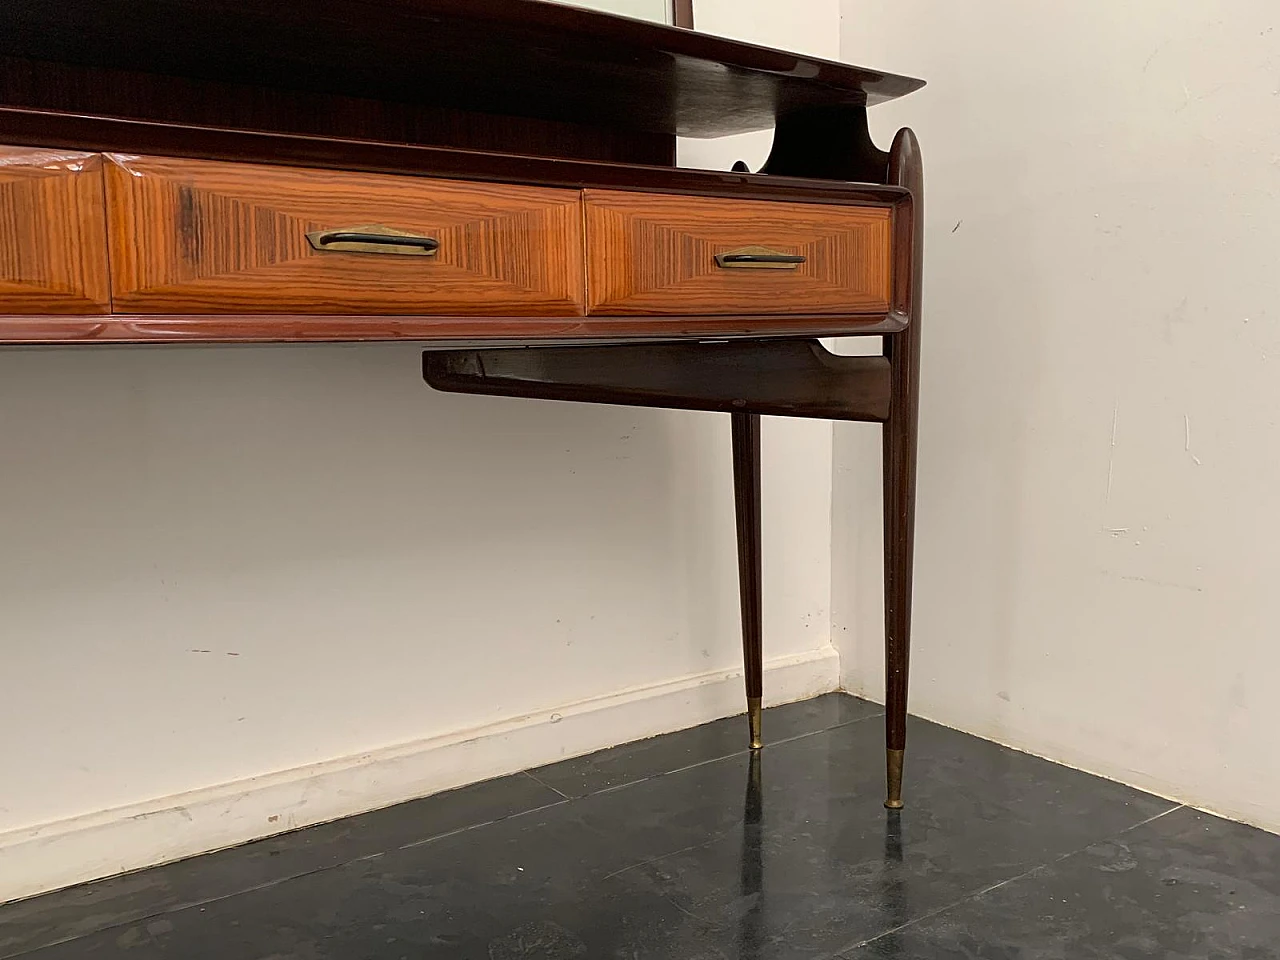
point(657, 254)
point(53, 247)
point(193, 236)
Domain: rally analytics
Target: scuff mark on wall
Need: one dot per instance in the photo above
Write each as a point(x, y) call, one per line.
point(1111, 470)
point(1152, 582)
point(1154, 52)
point(1111, 457)
point(1186, 427)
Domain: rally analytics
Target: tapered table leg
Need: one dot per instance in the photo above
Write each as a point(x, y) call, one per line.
point(746, 489)
point(903, 352)
point(899, 530)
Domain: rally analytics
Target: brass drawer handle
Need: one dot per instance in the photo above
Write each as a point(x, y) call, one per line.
point(758, 258)
point(374, 239)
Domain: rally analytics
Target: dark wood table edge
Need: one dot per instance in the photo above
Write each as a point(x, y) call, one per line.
point(20, 126)
point(437, 332)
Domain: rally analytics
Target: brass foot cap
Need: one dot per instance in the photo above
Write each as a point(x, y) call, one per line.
point(893, 804)
point(753, 718)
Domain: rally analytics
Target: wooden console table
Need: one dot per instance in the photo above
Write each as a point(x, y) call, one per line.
point(496, 179)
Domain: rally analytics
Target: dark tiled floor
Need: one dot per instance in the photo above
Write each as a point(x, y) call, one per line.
point(684, 847)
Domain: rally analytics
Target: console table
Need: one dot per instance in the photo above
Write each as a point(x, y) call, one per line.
point(495, 179)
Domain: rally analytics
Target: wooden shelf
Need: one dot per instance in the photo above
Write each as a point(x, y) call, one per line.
point(515, 58)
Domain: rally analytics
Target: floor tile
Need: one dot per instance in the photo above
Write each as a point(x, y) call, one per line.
point(83, 909)
point(794, 859)
point(815, 863)
point(1187, 886)
point(539, 885)
point(673, 751)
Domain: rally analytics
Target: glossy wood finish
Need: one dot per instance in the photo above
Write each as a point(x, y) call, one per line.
point(745, 428)
point(650, 254)
point(902, 350)
point(306, 326)
point(522, 58)
point(788, 378)
point(98, 91)
point(826, 143)
point(53, 253)
point(445, 332)
point(111, 134)
point(199, 237)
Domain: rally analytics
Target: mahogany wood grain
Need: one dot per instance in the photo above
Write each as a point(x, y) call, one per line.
point(826, 143)
point(201, 237)
point(745, 429)
point(100, 91)
point(113, 134)
point(902, 350)
point(651, 254)
point(785, 378)
point(53, 251)
point(503, 57)
point(443, 332)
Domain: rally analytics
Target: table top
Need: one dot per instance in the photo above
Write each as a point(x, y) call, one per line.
point(510, 57)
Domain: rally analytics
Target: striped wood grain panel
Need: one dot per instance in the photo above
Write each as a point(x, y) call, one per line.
point(655, 254)
point(53, 250)
point(192, 237)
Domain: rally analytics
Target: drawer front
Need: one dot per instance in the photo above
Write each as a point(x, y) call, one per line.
point(653, 254)
point(53, 248)
point(192, 236)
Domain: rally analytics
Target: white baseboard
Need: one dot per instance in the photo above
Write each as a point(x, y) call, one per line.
point(60, 853)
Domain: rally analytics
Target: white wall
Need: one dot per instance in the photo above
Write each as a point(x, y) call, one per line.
point(227, 563)
point(1100, 459)
point(659, 11)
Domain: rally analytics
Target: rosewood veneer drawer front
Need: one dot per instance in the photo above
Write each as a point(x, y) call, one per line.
point(53, 247)
point(193, 236)
point(663, 254)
